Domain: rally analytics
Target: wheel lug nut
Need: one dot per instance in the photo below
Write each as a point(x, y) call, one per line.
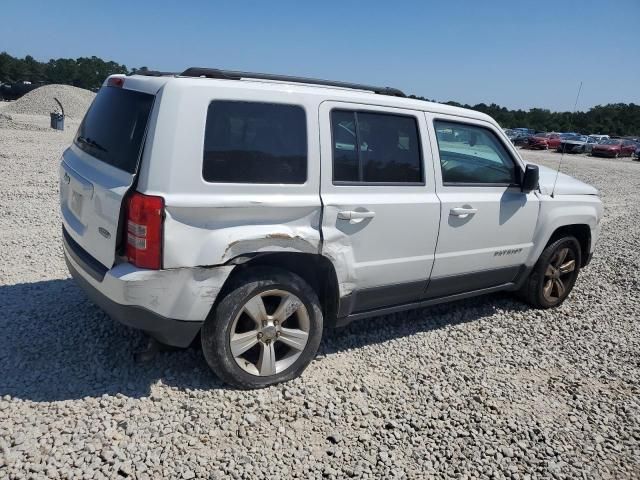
point(275, 322)
point(264, 323)
point(277, 334)
point(259, 334)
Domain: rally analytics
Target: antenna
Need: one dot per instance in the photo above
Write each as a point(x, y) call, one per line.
point(575, 105)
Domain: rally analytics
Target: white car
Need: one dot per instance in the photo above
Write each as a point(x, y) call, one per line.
point(257, 209)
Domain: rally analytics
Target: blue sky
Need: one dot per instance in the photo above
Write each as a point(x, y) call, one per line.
point(516, 54)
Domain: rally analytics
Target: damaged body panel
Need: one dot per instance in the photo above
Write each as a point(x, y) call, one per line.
point(218, 234)
point(214, 212)
point(184, 294)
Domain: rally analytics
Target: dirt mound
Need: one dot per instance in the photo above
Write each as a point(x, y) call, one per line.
point(41, 101)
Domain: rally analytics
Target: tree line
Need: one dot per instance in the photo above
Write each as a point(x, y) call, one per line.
point(89, 72)
point(83, 72)
point(621, 119)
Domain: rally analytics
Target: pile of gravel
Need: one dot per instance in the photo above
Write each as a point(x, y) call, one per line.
point(41, 101)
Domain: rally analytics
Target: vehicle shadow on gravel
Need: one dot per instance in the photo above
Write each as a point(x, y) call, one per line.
point(56, 345)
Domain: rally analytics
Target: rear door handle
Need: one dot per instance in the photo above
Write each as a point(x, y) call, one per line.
point(355, 214)
point(462, 211)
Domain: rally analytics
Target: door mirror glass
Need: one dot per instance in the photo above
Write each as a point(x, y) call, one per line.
point(530, 178)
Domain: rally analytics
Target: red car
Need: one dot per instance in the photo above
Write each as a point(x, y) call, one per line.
point(544, 141)
point(614, 147)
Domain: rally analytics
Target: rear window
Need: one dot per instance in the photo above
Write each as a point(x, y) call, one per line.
point(113, 128)
point(251, 142)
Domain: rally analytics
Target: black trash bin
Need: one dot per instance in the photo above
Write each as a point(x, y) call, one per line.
point(57, 118)
point(57, 121)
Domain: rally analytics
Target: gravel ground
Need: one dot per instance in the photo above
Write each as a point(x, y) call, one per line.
point(484, 388)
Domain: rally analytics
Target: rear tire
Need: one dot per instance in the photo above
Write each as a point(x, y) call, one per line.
point(554, 274)
point(265, 330)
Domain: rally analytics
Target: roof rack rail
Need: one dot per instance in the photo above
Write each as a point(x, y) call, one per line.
point(154, 73)
point(233, 75)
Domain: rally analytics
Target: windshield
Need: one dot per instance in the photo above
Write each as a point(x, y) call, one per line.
point(611, 142)
point(577, 138)
point(113, 128)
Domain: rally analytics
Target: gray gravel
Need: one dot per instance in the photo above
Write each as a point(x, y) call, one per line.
point(484, 388)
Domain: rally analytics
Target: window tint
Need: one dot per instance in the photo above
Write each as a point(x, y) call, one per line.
point(248, 142)
point(375, 148)
point(113, 128)
point(470, 154)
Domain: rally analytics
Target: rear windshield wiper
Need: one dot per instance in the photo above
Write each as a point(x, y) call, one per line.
point(91, 143)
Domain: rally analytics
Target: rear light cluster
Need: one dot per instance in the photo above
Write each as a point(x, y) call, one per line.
point(145, 214)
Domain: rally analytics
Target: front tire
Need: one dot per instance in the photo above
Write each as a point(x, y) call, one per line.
point(554, 274)
point(265, 330)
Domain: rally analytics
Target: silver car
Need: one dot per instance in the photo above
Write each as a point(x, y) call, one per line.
point(577, 144)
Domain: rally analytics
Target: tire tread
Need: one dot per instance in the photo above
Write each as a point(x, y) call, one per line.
point(242, 286)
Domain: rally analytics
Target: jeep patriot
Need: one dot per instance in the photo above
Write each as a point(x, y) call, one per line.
point(257, 209)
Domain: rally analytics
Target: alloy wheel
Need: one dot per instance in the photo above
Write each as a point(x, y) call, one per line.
point(558, 274)
point(269, 333)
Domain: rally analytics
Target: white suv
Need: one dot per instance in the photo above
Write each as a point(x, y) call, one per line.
point(256, 209)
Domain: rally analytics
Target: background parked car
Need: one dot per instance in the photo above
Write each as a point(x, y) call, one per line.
point(614, 147)
point(591, 142)
point(577, 144)
point(529, 131)
point(520, 138)
point(544, 141)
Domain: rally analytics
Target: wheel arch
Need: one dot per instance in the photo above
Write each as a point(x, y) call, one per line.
point(582, 232)
point(315, 269)
point(576, 215)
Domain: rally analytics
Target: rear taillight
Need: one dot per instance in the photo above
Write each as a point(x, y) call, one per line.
point(145, 215)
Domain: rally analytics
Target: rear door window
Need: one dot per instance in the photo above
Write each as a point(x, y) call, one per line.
point(251, 142)
point(113, 128)
point(375, 148)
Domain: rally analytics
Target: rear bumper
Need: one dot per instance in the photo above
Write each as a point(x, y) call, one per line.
point(166, 330)
point(170, 305)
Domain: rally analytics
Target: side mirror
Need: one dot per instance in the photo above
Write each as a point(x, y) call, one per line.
point(530, 178)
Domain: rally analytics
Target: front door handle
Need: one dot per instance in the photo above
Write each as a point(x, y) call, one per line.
point(462, 211)
point(355, 214)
